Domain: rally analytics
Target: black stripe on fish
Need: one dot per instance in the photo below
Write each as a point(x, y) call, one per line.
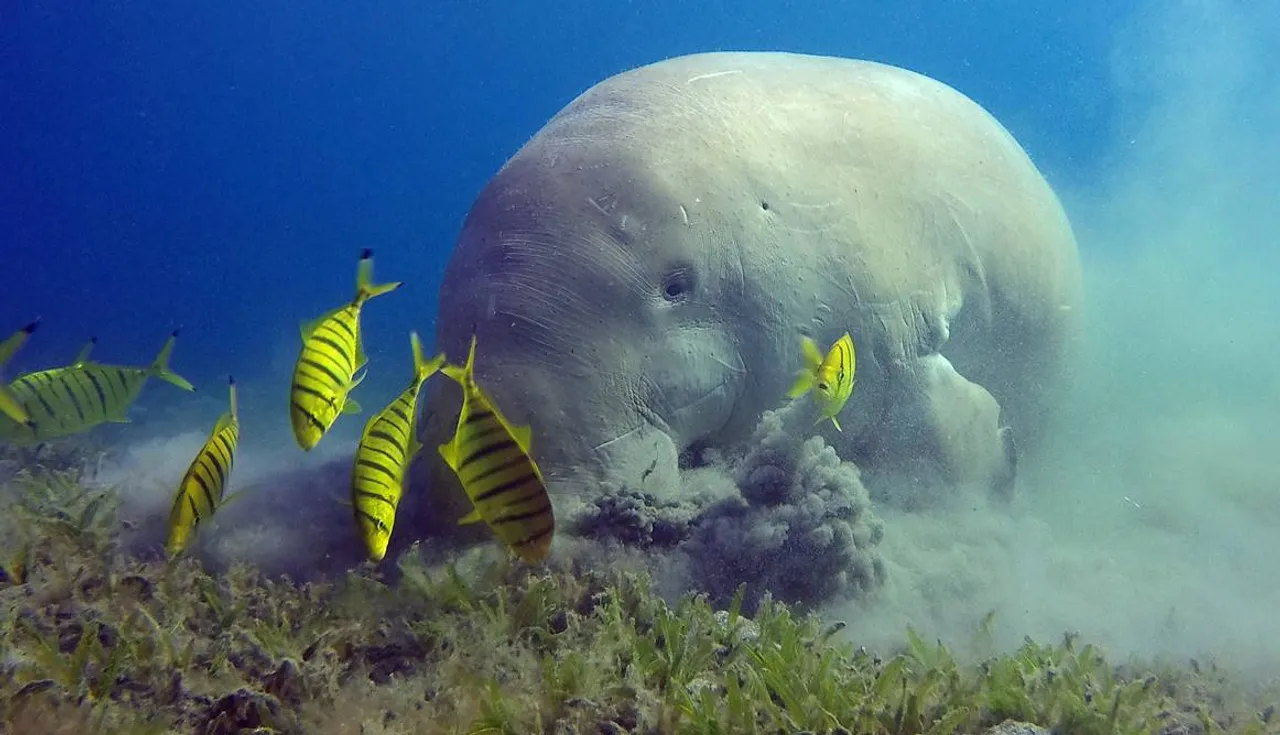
point(536, 537)
point(401, 430)
point(495, 469)
point(97, 387)
point(384, 436)
point(300, 388)
point(344, 338)
point(204, 487)
point(47, 408)
point(336, 353)
point(534, 494)
point(394, 459)
point(87, 392)
point(480, 453)
point(375, 496)
point(311, 419)
point(345, 327)
point(541, 510)
point(219, 465)
point(65, 385)
point(504, 487)
point(195, 512)
point(371, 519)
point(338, 382)
point(363, 462)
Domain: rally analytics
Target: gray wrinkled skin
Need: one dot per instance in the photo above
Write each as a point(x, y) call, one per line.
point(639, 274)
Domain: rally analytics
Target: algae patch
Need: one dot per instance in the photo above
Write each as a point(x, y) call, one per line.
point(93, 639)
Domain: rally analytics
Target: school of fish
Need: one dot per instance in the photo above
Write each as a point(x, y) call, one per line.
point(492, 458)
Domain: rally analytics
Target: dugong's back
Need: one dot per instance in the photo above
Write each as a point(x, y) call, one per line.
point(928, 206)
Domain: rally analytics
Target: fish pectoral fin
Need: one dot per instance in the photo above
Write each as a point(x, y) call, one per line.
point(351, 406)
point(472, 517)
point(357, 380)
point(230, 497)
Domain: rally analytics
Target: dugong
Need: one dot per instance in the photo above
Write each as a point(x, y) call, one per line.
point(639, 275)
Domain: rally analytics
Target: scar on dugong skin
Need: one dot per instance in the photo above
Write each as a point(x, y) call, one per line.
point(639, 274)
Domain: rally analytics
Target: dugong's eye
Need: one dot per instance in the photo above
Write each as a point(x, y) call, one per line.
point(677, 284)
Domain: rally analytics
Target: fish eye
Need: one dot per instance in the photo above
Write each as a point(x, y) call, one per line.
point(678, 284)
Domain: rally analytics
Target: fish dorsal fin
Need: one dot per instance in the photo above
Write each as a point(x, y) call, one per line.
point(82, 358)
point(449, 455)
point(225, 420)
point(308, 326)
point(523, 435)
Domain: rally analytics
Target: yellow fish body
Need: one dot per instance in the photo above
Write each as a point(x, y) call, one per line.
point(73, 399)
point(203, 486)
point(831, 378)
point(491, 459)
point(10, 404)
point(327, 364)
point(387, 445)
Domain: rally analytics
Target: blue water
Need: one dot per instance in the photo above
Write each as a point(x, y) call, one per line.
point(218, 166)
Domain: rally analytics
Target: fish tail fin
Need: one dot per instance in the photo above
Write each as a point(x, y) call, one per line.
point(812, 364)
point(460, 373)
point(802, 384)
point(365, 287)
point(160, 366)
point(11, 345)
point(235, 405)
point(423, 368)
point(470, 367)
point(812, 355)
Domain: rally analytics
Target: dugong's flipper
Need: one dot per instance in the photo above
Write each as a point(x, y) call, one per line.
point(943, 417)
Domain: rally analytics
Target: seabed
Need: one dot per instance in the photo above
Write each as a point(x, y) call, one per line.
point(94, 639)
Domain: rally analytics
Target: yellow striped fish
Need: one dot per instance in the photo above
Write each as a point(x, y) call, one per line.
point(10, 404)
point(387, 444)
point(831, 378)
point(203, 486)
point(72, 399)
point(331, 354)
point(491, 459)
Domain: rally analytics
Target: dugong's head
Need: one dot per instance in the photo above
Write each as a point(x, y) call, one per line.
point(603, 319)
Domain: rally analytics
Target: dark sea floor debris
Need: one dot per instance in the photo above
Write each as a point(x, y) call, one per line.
point(94, 640)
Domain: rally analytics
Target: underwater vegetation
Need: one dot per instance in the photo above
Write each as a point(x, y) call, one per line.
point(93, 639)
